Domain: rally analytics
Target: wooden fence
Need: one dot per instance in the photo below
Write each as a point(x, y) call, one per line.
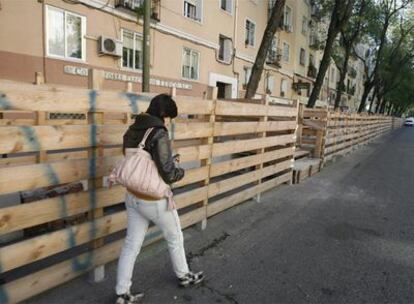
point(323, 134)
point(59, 144)
point(348, 131)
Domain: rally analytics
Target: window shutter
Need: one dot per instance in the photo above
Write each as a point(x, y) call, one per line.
point(230, 6)
point(199, 11)
point(228, 50)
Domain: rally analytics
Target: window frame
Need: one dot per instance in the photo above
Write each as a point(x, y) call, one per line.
point(224, 10)
point(198, 4)
point(273, 78)
point(198, 63)
point(83, 34)
point(290, 24)
point(305, 29)
point(304, 56)
point(283, 52)
point(246, 79)
point(121, 59)
point(282, 81)
point(246, 32)
point(230, 51)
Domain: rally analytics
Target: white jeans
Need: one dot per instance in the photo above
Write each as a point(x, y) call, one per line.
point(140, 213)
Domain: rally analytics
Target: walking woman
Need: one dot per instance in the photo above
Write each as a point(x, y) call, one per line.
point(141, 209)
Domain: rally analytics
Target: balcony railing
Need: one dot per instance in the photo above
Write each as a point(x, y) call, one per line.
point(138, 5)
point(312, 71)
point(274, 57)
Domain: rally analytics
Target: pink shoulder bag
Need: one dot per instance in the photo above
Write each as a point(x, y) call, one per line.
point(138, 172)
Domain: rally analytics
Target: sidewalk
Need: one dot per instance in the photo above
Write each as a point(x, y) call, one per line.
point(343, 236)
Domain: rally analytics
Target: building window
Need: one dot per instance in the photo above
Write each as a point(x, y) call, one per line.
point(287, 19)
point(193, 9)
point(283, 87)
point(250, 30)
point(247, 74)
point(190, 64)
point(226, 5)
point(286, 52)
point(305, 25)
point(225, 49)
point(131, 50)
point(302, 57)
point(332, 75)
point(270, 85)
point(311, 60)
point(65, 34)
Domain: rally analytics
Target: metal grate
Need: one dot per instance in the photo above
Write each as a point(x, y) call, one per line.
point(77, 116)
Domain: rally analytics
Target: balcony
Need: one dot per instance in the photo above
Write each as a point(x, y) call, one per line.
point(312, 71)
point(314, 42)
point(351, 90)
point(274, 57)
point(137, 6)
point(352, 72)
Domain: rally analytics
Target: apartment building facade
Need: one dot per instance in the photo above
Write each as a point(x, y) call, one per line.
point(194, 44)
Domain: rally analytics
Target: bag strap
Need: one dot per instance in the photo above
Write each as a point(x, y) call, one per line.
point(144, 139)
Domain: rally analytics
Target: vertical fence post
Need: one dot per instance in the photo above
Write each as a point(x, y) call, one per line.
point(261, 151)
point(299, 126)
point(95, 154)
point(41, 118)
point(211, 95)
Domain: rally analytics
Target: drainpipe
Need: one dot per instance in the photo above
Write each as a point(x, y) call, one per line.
point(236, 74)
point(44, 39)
point(146, 47)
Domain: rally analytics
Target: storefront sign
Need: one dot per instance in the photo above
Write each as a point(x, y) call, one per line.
point(82, 71)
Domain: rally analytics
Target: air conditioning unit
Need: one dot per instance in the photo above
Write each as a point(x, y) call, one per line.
point(110, 46)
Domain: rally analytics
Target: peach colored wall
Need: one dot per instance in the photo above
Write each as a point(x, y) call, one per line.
point(21, 29)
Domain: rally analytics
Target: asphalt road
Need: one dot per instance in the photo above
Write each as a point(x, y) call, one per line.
point(344, 236)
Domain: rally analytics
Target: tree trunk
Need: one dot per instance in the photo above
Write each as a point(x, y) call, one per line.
point(342, 77)
point(374, 95)
point(383, 104)
point(367, 90)
point(340, 15)
point(269, 33)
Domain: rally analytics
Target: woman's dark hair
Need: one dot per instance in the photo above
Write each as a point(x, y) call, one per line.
point(162, 106)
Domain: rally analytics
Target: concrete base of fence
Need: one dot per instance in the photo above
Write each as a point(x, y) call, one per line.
point(97, 275)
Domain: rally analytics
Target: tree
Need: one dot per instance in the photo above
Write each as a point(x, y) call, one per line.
point(269, 33)
point(341, 12)
point(350, 36)
point(388, 12)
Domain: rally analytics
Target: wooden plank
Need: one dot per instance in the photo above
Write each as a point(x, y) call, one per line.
point(47, 210)
point(17, 161)
point(57, 274)
point(220, 149)
point(192, 176)
point(40, 247)
point(190, 197)
point(21, 96)
point(40, 281)
point(244, 195)
point(42, 175)
point(188, 154)
point(278, 111)
point(32, 138)
point(248, 161)
point(235, 128)
point(247, 178)
point(229, 108)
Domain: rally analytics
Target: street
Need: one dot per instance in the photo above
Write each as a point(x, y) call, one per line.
point(345, 235)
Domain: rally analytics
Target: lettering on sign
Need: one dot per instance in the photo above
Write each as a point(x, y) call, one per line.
point(82, 71)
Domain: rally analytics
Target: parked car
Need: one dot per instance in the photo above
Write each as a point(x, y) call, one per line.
point(409, 122)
